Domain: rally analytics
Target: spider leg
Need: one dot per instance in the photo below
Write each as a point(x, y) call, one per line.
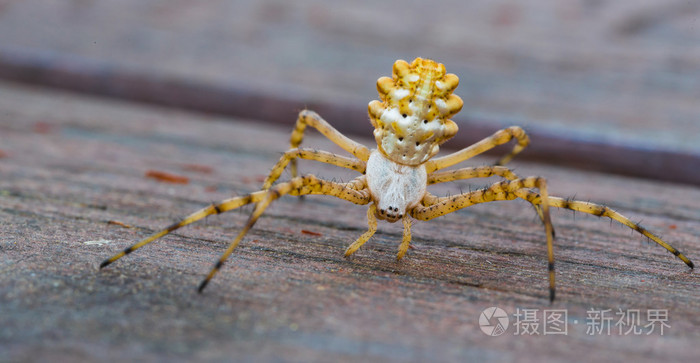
point(353, 191)
point(310, 154)
point(602, 211)
point(429, 199)
point(221, 207)
point(476, 172)
point(406, 242)
point(310, 118)
point(498, 138)
point(350, 189)
point(469, 173)
point(505, 190)
point(372, 222)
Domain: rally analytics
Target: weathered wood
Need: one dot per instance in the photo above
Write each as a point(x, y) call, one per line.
point(73, 166)
point(604, 85)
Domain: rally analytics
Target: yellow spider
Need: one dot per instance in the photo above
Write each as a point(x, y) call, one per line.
point(410, 122)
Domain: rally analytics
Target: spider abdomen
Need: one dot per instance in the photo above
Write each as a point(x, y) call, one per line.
point(411, 119)
point(395, 188)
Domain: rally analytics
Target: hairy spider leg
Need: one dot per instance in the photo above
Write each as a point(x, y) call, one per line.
point(310, 118)
point(218, 208)
point(311, 154)
point(354, 191)
point(372, 222)
point(602, 211)
point(498, 138)
point(406, 242)
point(505, 190)
point(477, 172)
point(221, 207)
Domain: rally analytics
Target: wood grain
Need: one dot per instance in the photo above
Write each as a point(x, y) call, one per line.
point(601, 85)
point(288, 294)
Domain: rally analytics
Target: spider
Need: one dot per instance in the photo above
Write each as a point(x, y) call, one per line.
point(410, 123)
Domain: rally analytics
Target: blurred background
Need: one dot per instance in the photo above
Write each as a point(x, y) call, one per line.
point(605, 85)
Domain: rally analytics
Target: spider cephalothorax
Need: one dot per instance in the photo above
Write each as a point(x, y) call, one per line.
point(412, 119)
point(410, 122)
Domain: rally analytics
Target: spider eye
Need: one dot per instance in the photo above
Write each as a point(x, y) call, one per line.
point(425, 121)
point(404, 115)
point(400, 138)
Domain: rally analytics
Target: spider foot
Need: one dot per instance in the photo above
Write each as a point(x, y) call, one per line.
point(202, 285)
point(551, 295)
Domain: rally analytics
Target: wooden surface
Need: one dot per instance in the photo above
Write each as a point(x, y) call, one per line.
point(70, 165)
point(605, 85)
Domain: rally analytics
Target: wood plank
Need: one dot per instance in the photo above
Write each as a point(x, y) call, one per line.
point(604, 85)
point(72, 164)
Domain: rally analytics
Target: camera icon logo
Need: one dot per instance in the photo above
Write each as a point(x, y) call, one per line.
point(493, 321)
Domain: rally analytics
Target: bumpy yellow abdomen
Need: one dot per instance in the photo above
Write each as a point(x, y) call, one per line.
point(412, 118)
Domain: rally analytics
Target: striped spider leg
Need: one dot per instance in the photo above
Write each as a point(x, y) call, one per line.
point(602, 211)
point(521, 188)
point(354, 191)
point(310, 118)
point(498, 138)
point(433, 207)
